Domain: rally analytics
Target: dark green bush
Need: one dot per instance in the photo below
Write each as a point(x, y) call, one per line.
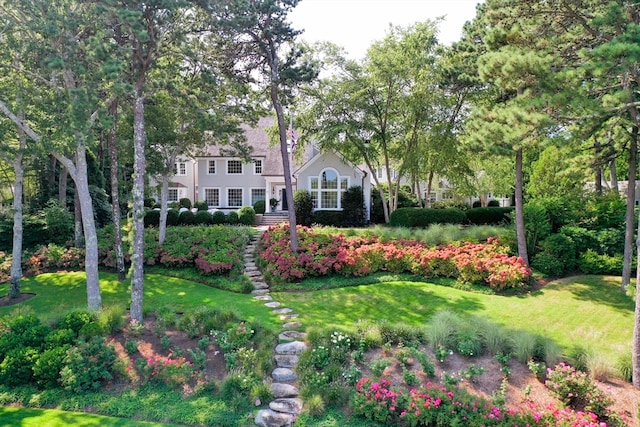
point(259, 207)
point(46, 369)
point(405, 200)
point(75, 320)
point(415, 217)
point(173, 217)
point(353, 209)
point(560, 211)
point(59, 338)
point(58, 222)
point(232, 218)
point(591, 262)
point(102, 210)
point(88, 365)
point(610, 241)
point(303, 207)
point(547, 264)
point(152, 218)
point(537, 225)
point(17, 366)
point(149, 202)
point(449, 204)
point(201, 205)
point(493, 204)
point(476, 204)
point(203, 218)
point(482, 216)
point(583, 239)
point(27, 331)
point(219, 217)
point(328, 218)
point(607, 211)
point(246, 215)
point(185, 202)
point(557, 247)
point(186, 218)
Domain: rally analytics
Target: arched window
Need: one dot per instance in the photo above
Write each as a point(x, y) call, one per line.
point(327, 188)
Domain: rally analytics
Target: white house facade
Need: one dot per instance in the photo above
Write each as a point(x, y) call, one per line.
point(228, 183)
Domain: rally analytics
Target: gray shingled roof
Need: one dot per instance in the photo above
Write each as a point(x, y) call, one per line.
point(258, 139)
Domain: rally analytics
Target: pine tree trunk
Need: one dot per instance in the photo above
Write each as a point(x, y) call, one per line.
point(520, 230)
point(16, 258)
point(137, 245)
point(635, 353)
point(630, 213)
point(115, 194)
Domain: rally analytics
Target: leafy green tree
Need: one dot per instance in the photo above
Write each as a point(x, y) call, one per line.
point(258, 43)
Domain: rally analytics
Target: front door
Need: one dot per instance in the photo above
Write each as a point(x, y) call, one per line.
point(283, 199)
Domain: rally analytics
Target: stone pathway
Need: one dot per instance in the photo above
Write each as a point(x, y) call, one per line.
point(286, 407)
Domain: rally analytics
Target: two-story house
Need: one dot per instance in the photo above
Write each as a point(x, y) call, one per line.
point(228, 183)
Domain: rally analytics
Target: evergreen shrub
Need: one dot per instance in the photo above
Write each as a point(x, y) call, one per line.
point(152, 218)
point(173, 217)
point(186, 218)
point(414, 217)
point(483, 216)
point(259, 207)
point(303, 207)
point(202, 218)
point(201, 205)
point(219, 217)
point(328, 218)
point(353, 208)
point(232, 218)
point(246, 215)
point(185, 202)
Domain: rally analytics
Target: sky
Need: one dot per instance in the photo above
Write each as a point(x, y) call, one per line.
point(355, 24)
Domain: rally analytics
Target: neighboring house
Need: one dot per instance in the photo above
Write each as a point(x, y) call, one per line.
point(622, 188)
point(228, 183)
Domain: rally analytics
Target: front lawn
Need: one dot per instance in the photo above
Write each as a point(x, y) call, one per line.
point(588, 311)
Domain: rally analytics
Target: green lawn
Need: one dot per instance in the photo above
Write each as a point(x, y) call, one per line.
point(585, 310)
point(23, 417)
point(57, 293)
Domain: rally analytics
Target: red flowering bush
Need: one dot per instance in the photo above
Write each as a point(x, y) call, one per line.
point(321, 254)
point(376, 401)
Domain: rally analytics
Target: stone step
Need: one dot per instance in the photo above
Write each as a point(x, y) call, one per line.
point(289, 316)
point(263, 298)
point(273, 304)
point(271, 418)
point(260, 291)
point(283, 375)
point(292, 325)
point(286, 360)
point(260, 285)
point(283, 390)
point(248, 268)
point(254, 273)
point(292, 336)
point(287, 405)
point(294, 347)
point(285, 310)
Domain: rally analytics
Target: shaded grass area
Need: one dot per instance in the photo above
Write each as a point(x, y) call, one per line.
point(587, 311)
point(57, 293)
point(13, 417)
point(240, 284)
point(155, 403)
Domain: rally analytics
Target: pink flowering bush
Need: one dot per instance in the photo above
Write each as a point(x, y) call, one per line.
point(320, 254)
point(437, 406)
point(165, 369)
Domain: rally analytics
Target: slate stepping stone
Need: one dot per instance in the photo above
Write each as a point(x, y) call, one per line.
point(285, 310)
point(289, 316)
point(255, 273)
point(292, 325)
point(294, 347)
point(289, 406)
point(283, 390)
point(283, 375)
point(273, 304)
point(286, 360)
point(260, 285)
point(271, 418)
point(263, 297)
point(260, 291)
point(292, 336)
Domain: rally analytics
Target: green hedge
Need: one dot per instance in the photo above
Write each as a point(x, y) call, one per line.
point(416, 217)
point(482, 216)
point(328, 218)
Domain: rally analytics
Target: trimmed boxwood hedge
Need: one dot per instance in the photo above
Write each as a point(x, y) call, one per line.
point(482, 216)
point(328, 218)
point(416, 217)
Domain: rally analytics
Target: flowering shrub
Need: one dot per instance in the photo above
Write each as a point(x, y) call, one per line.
point(321, 254)
point(166, 370)
point(437, 406)
point(576, 389)
point(52, 257)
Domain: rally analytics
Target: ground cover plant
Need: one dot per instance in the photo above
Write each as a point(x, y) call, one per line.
point(324, 255)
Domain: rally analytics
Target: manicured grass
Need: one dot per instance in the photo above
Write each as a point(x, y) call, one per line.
point(584, 310)
point(23, 417)
point(57, 293)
